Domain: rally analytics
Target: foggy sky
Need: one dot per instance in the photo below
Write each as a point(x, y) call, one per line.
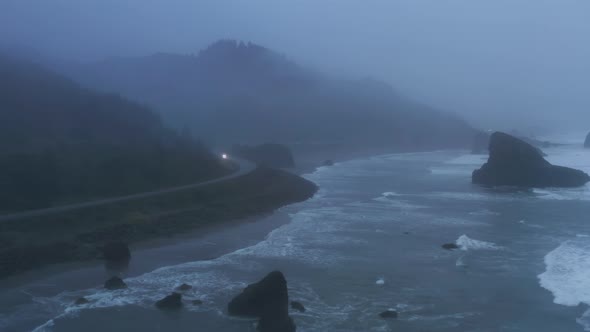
point(500, 63)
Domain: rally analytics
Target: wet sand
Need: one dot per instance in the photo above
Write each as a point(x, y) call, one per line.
point(201, 244)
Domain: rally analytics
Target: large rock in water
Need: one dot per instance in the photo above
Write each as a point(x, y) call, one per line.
point(269, 155)
point(267, 300)
point(587, 142)
point(513, 162)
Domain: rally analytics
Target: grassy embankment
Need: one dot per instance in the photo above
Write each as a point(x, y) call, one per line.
point(26, 244)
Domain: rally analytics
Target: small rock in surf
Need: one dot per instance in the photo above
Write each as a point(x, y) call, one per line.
point(297, 306)
point(170, 302)
point(184, 287)
point(388, 314)
point(115, 283)
point(450, 246)
point(81, 301)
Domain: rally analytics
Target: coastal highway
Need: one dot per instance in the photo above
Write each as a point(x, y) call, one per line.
point(245, 167)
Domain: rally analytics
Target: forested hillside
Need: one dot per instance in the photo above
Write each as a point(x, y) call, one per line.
point(234, 92)
point(62, 143)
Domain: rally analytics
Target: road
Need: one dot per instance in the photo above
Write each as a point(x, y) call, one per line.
point(245, 167)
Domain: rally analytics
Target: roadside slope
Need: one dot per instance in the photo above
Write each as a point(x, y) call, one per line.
point(78, 235)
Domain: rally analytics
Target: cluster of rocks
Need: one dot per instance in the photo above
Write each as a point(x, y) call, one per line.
point(266, 300)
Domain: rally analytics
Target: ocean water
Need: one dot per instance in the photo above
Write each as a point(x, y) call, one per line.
point(369, 241)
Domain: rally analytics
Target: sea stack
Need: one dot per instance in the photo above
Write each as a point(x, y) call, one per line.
point(587, 142)
point(513, 162)
point(267, 300)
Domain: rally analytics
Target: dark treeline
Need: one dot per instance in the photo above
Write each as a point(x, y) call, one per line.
point(62, 143)
point(241, 92)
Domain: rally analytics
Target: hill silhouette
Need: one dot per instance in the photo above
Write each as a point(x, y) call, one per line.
point(241, 92)
point(62, 143)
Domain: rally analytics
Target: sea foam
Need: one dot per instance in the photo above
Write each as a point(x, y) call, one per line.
point(467, 243)
point(567, 276)
point(567, 273)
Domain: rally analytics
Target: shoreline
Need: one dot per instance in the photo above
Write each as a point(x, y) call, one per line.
point(307, 164)
point(76, 237)
point(257, 227)
point(197, 245)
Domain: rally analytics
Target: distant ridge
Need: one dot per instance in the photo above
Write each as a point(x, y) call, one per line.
point(252, 94)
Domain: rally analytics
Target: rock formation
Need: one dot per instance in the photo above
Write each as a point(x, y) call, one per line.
point(116, 252)
point(170, 302)
point(513, 162)
point(267, 300)
point(297, 306)
point(115, 283)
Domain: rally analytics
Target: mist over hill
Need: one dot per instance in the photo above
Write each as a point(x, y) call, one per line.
point(61, 143)
point(241, 92)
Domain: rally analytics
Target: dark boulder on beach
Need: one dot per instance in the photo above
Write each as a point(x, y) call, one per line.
point(513, 162)
point(450, 246)
point(297, 306)
point(267, 300)
point(587, 142)
point(269, 155)
point(170, 302)
point(116, 252)
point(115, 283)
point(388, 314)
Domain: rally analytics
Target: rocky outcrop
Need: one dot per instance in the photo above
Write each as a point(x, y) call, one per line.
point(81, 301)
point(170, 302)
point(481, 143)
point(267, 300)
point(513, 162)
point(388, 314)
point(450, 246)
point(297, 306)
point(587, 142)
point(116, 252)
point(184, 288)
point(115, 283)
point(269, 155)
